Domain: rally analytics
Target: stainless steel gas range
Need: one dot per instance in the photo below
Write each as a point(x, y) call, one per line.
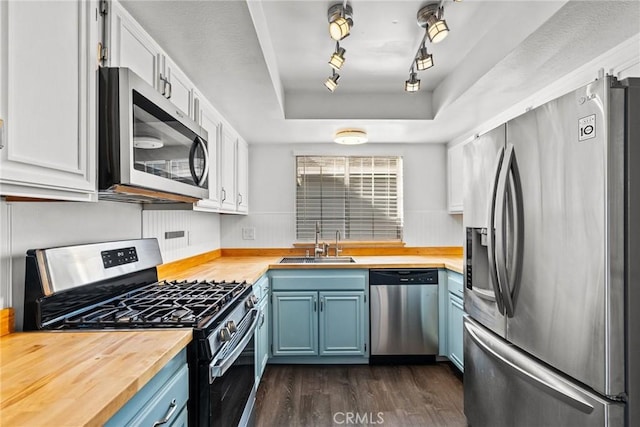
point(114, 285)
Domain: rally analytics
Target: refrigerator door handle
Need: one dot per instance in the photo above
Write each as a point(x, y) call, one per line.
point(491, 237)
point(526, 368)
point(516, 198)
point(509, 199)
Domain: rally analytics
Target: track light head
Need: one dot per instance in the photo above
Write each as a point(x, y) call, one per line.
point(430, 18)
point(340, 21)
point(413, 84)
point(424, 60)
point(332, 82)
point(337, 59)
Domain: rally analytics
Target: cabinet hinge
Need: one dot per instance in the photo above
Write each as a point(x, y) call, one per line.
point(365, 298)
point(103, 52)
point(104, 7)
point(365, 347)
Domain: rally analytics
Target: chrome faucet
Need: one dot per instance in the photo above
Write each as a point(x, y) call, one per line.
point(319, 250)
point(338, 250)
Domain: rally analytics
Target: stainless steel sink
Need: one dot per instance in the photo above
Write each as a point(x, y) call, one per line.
point(319, 260)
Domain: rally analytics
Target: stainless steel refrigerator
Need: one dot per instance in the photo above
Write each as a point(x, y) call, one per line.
point(552, 264)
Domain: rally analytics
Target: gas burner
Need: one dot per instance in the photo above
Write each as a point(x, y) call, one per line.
point(165, 303)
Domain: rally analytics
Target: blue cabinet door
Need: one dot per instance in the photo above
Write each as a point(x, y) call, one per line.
point(456, 313)
point(262, 339)
point(342, 326)
point(295, 323)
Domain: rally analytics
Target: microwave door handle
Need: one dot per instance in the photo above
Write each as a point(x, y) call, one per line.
point(205, 170)
point(198, 180)
point(491, 243)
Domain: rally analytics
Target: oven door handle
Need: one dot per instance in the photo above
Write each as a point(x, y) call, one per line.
point(219, 366)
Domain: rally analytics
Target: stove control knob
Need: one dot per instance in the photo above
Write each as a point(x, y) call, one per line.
point(231, 326)
point(225, 335)
point(251, 301)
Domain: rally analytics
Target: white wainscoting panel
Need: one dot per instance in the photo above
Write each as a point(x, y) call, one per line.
point(201, 232)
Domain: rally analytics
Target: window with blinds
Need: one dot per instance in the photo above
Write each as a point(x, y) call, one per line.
point(360, 196)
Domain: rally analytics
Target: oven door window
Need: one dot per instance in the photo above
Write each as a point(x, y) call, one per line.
point(165, 147)
point(230, 393)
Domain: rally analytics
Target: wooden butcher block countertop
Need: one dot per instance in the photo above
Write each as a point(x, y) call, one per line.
point(78, 378)
point(250, 268)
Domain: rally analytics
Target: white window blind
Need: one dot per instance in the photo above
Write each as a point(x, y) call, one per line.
point(360, 196)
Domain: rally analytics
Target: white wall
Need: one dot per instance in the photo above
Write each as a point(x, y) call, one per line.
point(46, 224)
point(31, 225)
point(272, 194)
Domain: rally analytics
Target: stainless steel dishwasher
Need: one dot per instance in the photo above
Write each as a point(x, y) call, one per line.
point(404, 315)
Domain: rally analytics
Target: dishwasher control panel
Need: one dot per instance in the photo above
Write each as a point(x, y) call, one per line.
point(427, 276)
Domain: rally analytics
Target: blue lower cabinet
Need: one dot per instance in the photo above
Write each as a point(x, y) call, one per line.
point(342, 323)
point(319, 316)
point(318, 323)
point(295, 323)
point(262, 339)
point(163, 400)
point(456, 314)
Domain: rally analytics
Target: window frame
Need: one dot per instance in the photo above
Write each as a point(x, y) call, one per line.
point(399, 198)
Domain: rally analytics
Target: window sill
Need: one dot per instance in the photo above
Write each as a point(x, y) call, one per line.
point(356, 243)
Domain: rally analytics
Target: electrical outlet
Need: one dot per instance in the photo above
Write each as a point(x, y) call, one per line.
point(248, 233)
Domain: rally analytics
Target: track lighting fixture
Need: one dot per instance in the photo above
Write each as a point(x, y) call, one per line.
point(340, 20)
point(337, 59)
point(332, 82)
point(430, 18)
point(413, 84)
point(424, 60)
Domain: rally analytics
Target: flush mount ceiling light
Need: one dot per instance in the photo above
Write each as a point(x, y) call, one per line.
point(340, 20)
point(332, 82)
point(337, 59)
point(413, 84)
point(424, 60)
point(351, 137)
point(430, 17)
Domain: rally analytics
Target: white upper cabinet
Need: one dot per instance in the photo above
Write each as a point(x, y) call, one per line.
point(242, 176)
point(48, 52)
point(455, 169)
point(228, 152)
point(178, 87)
point(210, 121)
point(128, 45)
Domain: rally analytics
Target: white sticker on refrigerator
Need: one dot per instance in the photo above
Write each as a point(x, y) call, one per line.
point(587, 127)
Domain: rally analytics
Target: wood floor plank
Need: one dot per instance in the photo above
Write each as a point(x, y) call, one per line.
point(326, 395)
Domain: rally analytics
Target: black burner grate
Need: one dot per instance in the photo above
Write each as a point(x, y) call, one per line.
point(162, 304)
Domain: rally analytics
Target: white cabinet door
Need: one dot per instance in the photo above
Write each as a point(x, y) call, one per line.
point(48, 80)
point(454, 178)
point(131, 47)
point(228, 170)
point(180, 89)
point(210, 121)
point(242, 176)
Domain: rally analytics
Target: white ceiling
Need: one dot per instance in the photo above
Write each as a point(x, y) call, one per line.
point(262, 63)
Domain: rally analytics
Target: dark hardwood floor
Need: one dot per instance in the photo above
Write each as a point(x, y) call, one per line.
point(326, 395)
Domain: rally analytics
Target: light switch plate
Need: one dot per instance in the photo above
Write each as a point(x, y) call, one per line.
point(248, 233)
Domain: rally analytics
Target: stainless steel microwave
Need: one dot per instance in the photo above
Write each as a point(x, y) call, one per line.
point(149, 150)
